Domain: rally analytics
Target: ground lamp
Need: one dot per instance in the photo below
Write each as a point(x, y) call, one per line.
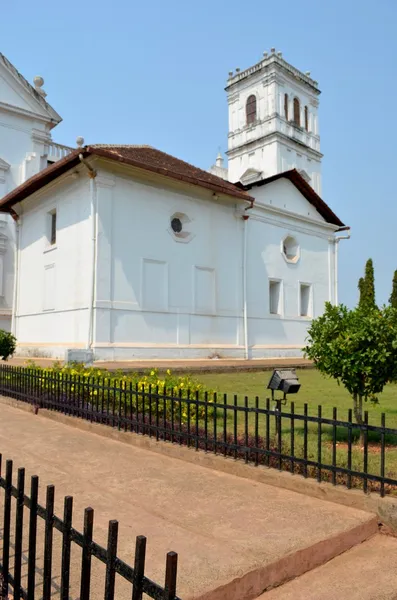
point(284, 380)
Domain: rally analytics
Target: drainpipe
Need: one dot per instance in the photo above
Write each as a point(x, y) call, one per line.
point(94, 256)
point(336, 258)
point(245, 308)
point(17, 247)
point(331, 242)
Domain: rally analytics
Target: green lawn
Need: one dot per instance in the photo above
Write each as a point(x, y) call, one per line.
point(315, 390)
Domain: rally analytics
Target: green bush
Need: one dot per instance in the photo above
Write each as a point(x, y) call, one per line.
point(132, 391)
point(7, 344)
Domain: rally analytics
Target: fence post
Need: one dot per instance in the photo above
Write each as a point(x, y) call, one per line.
point(6, 530)
point(66, 543)
point(139, 567)
point(278, 430)
point(34, 492)
point(48, 536)
point(170, 576)
point(86, 554)
point(111, 558)
point(19, 533)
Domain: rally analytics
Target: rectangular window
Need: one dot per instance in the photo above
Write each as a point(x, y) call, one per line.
point(305, 300)
point(275, 297)
point(52, 228)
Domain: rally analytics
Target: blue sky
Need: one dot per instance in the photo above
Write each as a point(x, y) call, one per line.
point(154, 72)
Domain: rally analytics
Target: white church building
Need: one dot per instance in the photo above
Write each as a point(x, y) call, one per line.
point(125, 252)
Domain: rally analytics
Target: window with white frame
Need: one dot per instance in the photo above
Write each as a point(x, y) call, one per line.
point(275, 297)
point(305, 300)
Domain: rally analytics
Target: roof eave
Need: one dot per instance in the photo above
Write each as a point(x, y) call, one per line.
point(39, 181)
point(162, 171)
point(51, 173)
point(306, 190)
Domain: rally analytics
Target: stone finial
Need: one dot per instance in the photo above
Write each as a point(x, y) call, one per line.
point(307, 73)
point(38, 84)
point(80, 141)
point(279, 54)
point(265, 54)
point(230, 74)
point(237, 69)
point(272, 50)
point(219, 160)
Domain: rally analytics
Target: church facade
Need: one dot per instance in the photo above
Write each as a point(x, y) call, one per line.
point(125, 252)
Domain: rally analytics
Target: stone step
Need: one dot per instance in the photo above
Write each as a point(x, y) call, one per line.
point(366, 572)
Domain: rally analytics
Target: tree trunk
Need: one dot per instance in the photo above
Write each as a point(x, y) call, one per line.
point(358, 413)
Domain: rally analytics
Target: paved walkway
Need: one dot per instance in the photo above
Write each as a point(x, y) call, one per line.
point(192, 365)
point(366, 572)
point(225, 529)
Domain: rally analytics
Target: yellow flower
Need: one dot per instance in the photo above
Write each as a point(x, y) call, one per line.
point(152, 373)
point(168, 372)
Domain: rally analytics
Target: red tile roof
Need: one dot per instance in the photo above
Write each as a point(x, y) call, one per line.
point(143, 157)
point(155, 161)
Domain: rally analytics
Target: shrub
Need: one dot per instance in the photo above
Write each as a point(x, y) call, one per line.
point(356, 347)
point(7, 344)
point(122, 392)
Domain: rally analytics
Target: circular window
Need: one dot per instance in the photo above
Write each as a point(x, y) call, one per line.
point(290, 249)
point(176, 225)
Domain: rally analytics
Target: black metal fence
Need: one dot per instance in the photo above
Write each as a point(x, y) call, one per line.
point(24, 574)
point(329, 449)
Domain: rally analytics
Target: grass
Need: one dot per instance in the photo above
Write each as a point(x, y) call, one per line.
point(316, 390)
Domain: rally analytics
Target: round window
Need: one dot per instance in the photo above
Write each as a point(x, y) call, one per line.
point(176, 225)
point(290, 249)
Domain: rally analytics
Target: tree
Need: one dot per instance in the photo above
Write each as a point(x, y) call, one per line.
point(366, 286)
point(361, 289)
point(358, 349)
point(393, 295)
point(7, 344)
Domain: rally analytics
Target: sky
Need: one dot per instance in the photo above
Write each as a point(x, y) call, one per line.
point(154, 73)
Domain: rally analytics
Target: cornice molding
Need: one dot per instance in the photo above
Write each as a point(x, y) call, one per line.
point(25, 89)
point(273, 62)
point(233, 98)
point(41, 137)
point(278, 217)
point(26, 113)
point(274, 135)
point(4, 166)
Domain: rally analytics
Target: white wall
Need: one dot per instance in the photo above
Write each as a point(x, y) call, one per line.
point(53, 282)
point(22, 148)
point(158, 295)
point(282, 194)
point(155, 290)
point(271, 220)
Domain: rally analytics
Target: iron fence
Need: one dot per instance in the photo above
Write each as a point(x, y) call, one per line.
point(25, 565)
point(313, 445)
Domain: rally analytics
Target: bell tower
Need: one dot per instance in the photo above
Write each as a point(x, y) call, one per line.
point(273, 122)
